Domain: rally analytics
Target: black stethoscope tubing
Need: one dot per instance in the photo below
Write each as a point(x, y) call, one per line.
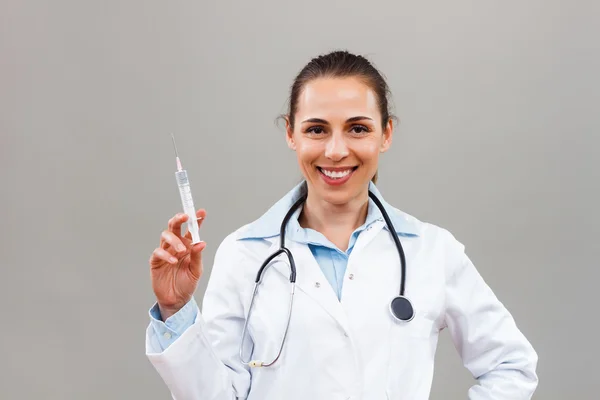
point(400, 306)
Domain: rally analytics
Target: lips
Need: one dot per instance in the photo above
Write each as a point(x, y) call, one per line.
point(336, 176)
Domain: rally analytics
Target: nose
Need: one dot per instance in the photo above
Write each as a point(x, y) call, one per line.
point(336, 148)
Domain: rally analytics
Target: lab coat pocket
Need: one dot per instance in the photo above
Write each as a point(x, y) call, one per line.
point(421, 326)
point(410, 350)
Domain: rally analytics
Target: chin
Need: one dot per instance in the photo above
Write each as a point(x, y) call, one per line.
point(337, 199)
point(337, 195)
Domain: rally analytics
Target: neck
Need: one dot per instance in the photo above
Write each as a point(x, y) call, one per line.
point(334, 219)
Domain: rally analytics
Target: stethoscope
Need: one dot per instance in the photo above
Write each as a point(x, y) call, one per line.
point(400, 306)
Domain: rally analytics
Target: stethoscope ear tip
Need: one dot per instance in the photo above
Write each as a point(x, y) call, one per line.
point(402, 309)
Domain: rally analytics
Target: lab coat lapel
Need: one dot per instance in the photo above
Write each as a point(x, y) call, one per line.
point(310, 279)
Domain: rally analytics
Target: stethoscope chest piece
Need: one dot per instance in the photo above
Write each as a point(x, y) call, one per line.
point(402, 309)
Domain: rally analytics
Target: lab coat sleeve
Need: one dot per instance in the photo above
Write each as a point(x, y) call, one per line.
point(170, 330)
point(485, 334)
point(203, 362)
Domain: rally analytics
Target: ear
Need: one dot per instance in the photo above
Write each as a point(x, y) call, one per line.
point(388, 133)
point(289, 134)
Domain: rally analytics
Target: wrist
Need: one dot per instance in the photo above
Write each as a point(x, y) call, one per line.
point(167, 311)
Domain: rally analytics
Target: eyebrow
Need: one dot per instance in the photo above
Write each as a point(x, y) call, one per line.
point(322, 121)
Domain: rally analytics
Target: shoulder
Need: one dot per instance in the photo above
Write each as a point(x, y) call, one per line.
point(236, 250)
point(234, 242)
point(430, 233)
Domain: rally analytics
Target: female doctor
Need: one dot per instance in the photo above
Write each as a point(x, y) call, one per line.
point(372, 289)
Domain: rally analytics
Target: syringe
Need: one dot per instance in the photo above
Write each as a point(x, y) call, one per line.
point(186, 197)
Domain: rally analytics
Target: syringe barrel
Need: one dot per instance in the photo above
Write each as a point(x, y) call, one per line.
point(187, 202)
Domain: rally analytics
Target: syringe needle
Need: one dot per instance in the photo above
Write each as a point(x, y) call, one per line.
point(179, 168)
point(174, 145)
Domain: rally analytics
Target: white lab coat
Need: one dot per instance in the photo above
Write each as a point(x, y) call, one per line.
point(353, 348)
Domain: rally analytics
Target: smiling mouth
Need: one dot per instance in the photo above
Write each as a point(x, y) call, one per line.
point(337, 173)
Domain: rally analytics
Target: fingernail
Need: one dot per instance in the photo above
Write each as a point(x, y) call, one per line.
point(181, 248)
point(173, 260)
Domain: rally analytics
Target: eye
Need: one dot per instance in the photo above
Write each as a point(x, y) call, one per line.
point(315, 129)
point(359, 129)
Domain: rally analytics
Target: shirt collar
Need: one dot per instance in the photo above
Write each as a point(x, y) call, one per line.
point(269, 224)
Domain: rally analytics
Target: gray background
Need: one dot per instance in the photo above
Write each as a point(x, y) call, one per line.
point(498, 143)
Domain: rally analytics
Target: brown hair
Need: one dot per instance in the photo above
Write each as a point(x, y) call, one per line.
point(342, 64)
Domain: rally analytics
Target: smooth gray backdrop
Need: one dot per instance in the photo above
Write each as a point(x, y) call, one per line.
point(498, 142)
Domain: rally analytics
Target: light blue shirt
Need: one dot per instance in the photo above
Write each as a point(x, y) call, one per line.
point(331, 259)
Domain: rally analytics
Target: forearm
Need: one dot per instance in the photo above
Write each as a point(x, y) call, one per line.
point(189, 366)
point(486, 336)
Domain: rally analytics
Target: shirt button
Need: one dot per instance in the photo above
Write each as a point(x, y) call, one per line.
point(351, 276)
point(167, 335)
point(317, 285)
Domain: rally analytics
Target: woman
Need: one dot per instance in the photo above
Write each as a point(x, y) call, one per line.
point(345, 340)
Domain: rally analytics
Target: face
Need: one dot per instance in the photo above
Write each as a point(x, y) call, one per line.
point(338, 136)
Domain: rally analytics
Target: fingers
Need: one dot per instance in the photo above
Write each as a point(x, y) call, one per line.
point(174, 244)
point(196, 258)
point(200, 215)
point(173, 240)
point(175, 223)
point(163, 255)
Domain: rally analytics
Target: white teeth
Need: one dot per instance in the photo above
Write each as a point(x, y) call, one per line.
point(336, 174)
